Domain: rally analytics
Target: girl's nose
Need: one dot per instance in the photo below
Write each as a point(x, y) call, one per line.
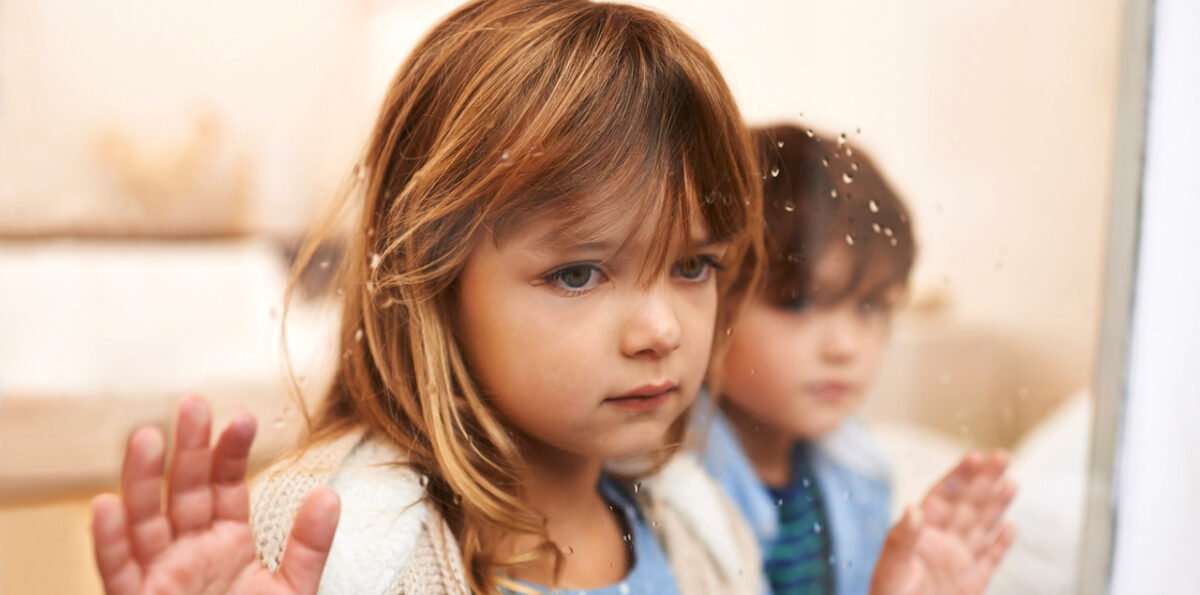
point(653, 328)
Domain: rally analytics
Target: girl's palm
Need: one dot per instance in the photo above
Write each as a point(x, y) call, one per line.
point(202, 543)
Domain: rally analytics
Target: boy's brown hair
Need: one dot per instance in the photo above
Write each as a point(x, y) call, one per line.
point(819, 193)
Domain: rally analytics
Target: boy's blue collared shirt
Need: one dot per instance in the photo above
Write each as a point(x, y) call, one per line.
point(850, 469)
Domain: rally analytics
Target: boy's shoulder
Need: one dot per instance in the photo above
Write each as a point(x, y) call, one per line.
point(385, 524)
point(854, 447)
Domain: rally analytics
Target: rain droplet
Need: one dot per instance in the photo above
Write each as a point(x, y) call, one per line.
point(806, 482)
point(854, 165)
point(627, 537)
point(504, 155)
point(324, 264)
point(779, 144)
point(801, 114)
point(875, 226)
point(887, 231)
point(833, 193)
point(778, 502)
point(849, 151)
point(893, 241)
point(841, 139)
point(789, 206)
point(816, 527)
point(858, 130)
point(850, 239)
point(824, 162)
point(810, 133)
point(728, 331)
point(653, 523)
point(358, 335)
point(874, 206)
point(774, 172)
point(374, 261)
point(847, 178)
point(370, 231)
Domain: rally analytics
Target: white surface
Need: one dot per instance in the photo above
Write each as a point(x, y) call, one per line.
point(1158, 519)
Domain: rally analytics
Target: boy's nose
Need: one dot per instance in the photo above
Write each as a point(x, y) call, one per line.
point(653, 329)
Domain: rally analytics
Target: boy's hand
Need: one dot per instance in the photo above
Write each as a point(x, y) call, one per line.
point(202, 543)
point(953, 542)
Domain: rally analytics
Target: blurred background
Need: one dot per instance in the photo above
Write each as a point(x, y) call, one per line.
point(160, 161)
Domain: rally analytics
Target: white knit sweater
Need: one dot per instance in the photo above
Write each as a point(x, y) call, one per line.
point(390, 540)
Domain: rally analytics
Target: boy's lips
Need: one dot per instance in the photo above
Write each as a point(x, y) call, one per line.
point(645, 397)
point(829, 392)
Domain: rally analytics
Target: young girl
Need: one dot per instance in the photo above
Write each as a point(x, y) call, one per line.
point(785, 444)
point(550, 195)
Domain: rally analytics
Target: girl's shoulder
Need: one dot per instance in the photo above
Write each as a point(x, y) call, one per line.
point(389, 538)
point(708, 542)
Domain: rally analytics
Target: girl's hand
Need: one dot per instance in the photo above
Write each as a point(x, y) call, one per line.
point(953, 542)
point(203, 542)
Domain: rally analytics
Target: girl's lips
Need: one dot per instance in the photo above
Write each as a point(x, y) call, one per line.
point(641, 402)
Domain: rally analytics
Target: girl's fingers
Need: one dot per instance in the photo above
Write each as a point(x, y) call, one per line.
point(310, 540)
point(189, 494)
point(231, 497)
point(113, 551)
point(141, 487)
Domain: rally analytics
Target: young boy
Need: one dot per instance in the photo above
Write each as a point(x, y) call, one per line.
point(783, 440)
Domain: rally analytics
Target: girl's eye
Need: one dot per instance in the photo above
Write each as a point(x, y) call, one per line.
point(575, 277)
point(697, 268)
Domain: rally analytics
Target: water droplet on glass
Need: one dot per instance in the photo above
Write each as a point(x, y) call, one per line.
point(854, 166)
point(875, 226)
point(841, 139)
point(457, 499)
point(779, 144)
point(832, 560)
point(806, 482)
point(728, 331)
point(423, 480)
point(816, 527)
point(810, 133)
point(653, 523)
point(824, 162)
point(278, 422)
point(847, 178)
point(850, 239)
point(370, 231)
point(893, 241)
point(358, 335)
point(324, 264)
point(627, 537)
point(833, 193)
point(637, 486)
point(302, 380)
point(848, 564)
point(774, 172)
point(845, 495)
point(370, 287)
point(274, 312)
point(962, 429)
point(754, 371)
point(789, 206)
point(504, 155)
point(374, 261)
point(570, 550)
point(874, 206)
point(624, 589)
point(887, 231)
point(340, 291)
point(778, 502)
point(849, 151)
point(939, 208)
point(801, 114)
point(1023, 392)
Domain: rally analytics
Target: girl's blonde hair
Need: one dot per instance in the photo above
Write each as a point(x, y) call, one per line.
point(567, 110)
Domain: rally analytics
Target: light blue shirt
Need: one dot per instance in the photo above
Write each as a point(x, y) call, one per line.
point(650, 571)
point(851, 471)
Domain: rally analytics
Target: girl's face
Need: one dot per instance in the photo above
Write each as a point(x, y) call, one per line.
point(801, 368)
point(578, 350)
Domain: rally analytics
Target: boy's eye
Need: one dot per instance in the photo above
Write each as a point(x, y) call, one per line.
point(696, 268)
point(575, 277)
point(796, 304)
point(870, 306)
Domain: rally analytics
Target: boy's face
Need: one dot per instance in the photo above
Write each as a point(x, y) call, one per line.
point(801, 368)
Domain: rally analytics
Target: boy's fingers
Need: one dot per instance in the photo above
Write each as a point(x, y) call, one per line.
point(995, 553)
point(308, 545)
point(141, 489)
point(112, 548)
point(231, 497)
point(903, 537)
point(994, 511)
point(189, 494)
